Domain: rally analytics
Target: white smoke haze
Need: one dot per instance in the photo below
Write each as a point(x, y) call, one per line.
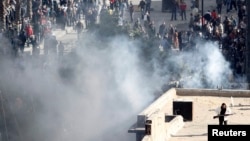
point(213, 66)
point(92, 94)
point(95, 93)
point(205, 67)
point(218, 70)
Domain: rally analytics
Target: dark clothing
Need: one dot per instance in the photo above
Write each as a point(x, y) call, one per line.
point(221, 118)
point(35, 47)
point(162, 30)
point(79, 28)
point(131, 12)
point(148, 5)
point(60, 49)
point(233, 5)
point(222, 113)
point(142, 6)
point(174, 10)
point(23, 40)
point(152, 30)
point(219, 5)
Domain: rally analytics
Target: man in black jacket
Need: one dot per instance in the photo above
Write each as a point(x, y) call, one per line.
point(142, 6)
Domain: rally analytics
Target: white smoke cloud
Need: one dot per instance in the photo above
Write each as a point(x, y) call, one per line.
point(96, 92)
point(92, 94)
point(203, 67)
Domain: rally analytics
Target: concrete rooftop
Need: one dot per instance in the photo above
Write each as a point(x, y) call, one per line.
point(203, 112)
point(203, 105)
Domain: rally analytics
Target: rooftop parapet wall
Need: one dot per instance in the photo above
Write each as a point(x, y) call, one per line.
point(174, 126)
point(212, 92)
point(158, 127)
point(161, 130)
point(162, 105)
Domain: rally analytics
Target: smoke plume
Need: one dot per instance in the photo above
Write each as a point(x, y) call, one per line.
point(95, 92)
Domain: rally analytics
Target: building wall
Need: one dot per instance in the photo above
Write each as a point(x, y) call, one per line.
point(213, 92)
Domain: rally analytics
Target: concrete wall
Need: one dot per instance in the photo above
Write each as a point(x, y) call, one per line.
point(161, 130)
point(162, 105)
point(174, 126)
point(213, 92)
point(158, 113)
point(158, 127)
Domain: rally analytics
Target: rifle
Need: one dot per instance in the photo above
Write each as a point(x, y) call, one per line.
point(223, 115)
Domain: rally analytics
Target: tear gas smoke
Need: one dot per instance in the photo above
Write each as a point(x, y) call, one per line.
point(95, 92)
point(204, 67)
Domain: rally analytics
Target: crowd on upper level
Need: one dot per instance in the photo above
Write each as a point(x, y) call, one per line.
point(226, 24)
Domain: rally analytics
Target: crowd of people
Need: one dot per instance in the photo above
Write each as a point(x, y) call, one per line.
point(224, 24)
point(46, 16)
point(228, 31)
point(228, 28)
